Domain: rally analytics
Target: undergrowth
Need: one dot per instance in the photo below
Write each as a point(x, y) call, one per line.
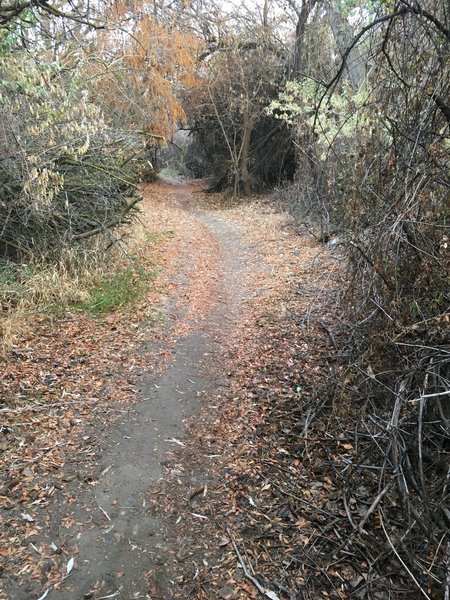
point(89, 281)
point(112, 291)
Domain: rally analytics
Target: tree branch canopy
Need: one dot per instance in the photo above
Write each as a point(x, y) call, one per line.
point(9, 11)
point(419, 11)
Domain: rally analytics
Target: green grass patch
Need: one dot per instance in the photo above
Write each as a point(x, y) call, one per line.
point(90, 281)
point(8, 274)
point(116, 290)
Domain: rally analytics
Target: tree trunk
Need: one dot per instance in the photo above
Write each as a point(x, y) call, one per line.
point(303, 14)
point(244, 160)
point(266, 13)
point(343, 38)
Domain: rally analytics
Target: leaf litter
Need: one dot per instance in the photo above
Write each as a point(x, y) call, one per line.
point(67, 380)
point(269, 447)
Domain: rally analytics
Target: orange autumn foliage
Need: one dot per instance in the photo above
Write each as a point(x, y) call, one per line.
point(157, 61)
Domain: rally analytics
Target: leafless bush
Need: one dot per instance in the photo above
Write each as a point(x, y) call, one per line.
point(386, 188)
point(398, 248)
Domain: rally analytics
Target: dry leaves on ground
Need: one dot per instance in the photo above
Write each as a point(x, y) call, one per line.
point(67, 380)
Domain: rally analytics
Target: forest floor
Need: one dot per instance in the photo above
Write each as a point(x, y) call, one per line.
point(154, 452)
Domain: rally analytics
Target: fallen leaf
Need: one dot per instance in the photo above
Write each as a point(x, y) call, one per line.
point(27, 517)
point(70, 565)
point(223, 542)
point(227, 593)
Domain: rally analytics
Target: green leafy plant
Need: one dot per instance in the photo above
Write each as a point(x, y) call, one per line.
point(65, 176)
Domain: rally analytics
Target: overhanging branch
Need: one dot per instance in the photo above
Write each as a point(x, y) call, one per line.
point(13, 10)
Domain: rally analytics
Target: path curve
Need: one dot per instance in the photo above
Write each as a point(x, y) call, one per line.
point(118, 539)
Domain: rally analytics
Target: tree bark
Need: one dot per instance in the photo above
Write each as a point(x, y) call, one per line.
point(266, 13)
point(244, 160)
point(302, 19)
point(343, 38)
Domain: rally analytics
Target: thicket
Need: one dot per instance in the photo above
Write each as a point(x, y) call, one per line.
point(65, 175)
point(373, 169)
point(237, 143)
point(85, 101)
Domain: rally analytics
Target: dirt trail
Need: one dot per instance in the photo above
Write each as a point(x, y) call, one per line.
point(141, 452)
point(117, 538)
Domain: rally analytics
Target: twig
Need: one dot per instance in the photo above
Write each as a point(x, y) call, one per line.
point(260, 588)
point(373, 506)
point(408, 570)
point(105, 513)
point(330, 335)
point(447, 578)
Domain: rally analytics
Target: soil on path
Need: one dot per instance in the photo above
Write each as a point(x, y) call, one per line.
point(119, 555)
point(163, 449)
point(107, 526)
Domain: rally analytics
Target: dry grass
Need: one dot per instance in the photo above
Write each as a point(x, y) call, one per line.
point(91, 280)
point(26, 290)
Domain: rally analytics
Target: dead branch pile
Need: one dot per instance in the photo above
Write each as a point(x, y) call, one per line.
point(341, 501)
point(383, 184)
point(399, 344)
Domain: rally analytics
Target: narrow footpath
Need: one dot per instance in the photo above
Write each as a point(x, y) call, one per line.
point(115, 558)
point(137, 433)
